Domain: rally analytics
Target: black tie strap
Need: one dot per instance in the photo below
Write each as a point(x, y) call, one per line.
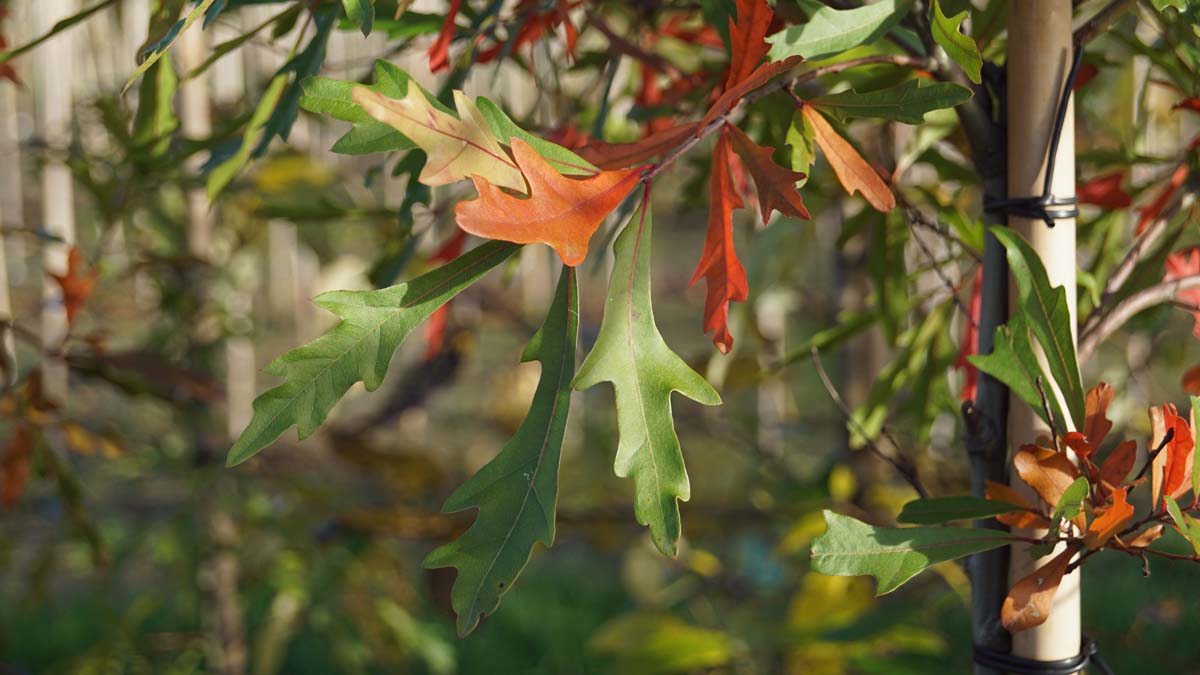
point(1089, 655)
point(1046, 207)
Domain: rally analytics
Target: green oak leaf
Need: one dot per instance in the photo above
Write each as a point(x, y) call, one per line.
point(504, 129)
point(368, 135)
point(632, 355)
point(936, 510)
point(906, 102)
point(1188, 527)
point(361, 12)
point(1049, 317)
point(517, 491)
point(961, 48)
point(1071, 502)
point(160, 48)
point(359, 348)
point(831, 31)
point(1014, 363)
point(851, 547)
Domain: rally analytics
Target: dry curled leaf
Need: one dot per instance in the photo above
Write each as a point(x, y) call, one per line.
point(1118, 464)
point(1097, 425)
point(1029, 602)
point(1027, 519)
point(1146, 536)
point(775, 185)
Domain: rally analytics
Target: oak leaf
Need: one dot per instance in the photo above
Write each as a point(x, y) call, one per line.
point(719, 264)
point(457, 148)
point(77, 284)
point(1177, 470)
point(757, 78)
point(1028, 519)
point(852, 171)
point(1049, 473)
point(610, 156)
point(1096, 423)
point(747, 39)
point(1104, 191)
point(1029, 602)
point(1118, 464)
point(775, 185)
point(1108, 523)
point(562, 212)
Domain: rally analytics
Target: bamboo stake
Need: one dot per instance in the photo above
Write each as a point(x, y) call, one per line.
point(1039, 57)
point(55, 78)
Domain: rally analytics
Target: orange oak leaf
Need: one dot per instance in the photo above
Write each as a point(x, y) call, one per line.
point(1181, 264)
point(560, 211)
point(439, 51)
point(1177, 471)
point(456, 147)
point(1096, 424)
point(1106, 525)
point(1104, 191)
point(1076, 441)
point(757, 78)
point(1118, 464)
point(611, 156)
point(1146, 536)
point(719, 264)
point(747, 39)
point(1029, 602)
point(776, 186)
point(77, 284)
point(852, 171)
point(1028, 519)
point(1049, 473)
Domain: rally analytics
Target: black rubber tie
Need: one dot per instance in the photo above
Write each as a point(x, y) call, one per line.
point(1047, 207)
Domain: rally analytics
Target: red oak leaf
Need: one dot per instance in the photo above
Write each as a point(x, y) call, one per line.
point(970, 340)
point(435, 327)
point(747, 39)
point(439, 52)
point(719, 265)
point(1177, 472)
point(757, 78)
point(1182, 264)
point(560, 211)
point(1105, 191)
point(611, 156)
point(1153, 210)
point(776, 186)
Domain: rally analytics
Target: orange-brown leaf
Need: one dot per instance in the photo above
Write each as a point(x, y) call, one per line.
point(1029, 602)
point(1106, 525)
point(852, 171)
point(1178, 468)
point(776, 186)
point(1048, 472)
point(562, 212)
point(1076, 441)
point(757, 78)
point(1118, 464)
point(747, 39)
point(1097, 425)
point(1146, 536)
point(1028, 519)
point(1191, 380)
point(77, 284)
point(719, 265)
point(14, 467)
point(611, 156)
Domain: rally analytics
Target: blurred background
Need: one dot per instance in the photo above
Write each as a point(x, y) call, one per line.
point(142, 319)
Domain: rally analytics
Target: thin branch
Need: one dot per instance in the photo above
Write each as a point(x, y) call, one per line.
point(919, 218)
point(1150, 459)
point(1140, 248)
point(1046, 409)
point(1130, 307)
point(1100, 21)
point(904, 468)
point(941, 273)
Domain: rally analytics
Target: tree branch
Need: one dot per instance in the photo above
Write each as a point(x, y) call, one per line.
point(1130, 307)
point(1100, 21)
